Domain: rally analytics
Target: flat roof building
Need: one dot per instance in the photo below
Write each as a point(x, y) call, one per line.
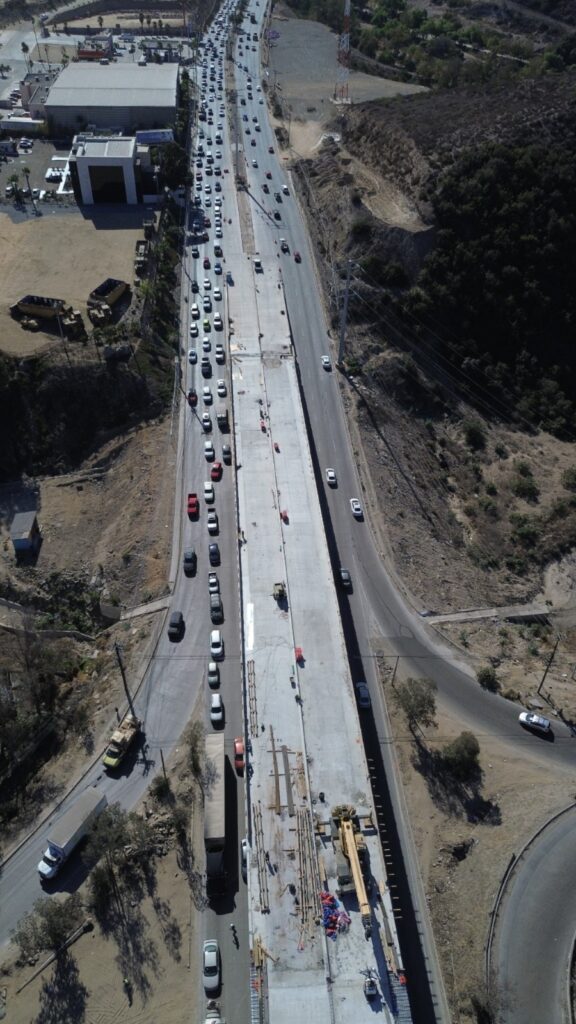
point(114, 96)
point(108, 169)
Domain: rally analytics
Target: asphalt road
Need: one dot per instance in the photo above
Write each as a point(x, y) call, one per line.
point(531, 954)
point(376, 617)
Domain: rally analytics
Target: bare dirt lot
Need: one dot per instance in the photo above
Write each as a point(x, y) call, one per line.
point(303, 63)
point(63, 256)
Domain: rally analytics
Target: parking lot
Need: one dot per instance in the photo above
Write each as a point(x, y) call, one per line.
point(39, 159)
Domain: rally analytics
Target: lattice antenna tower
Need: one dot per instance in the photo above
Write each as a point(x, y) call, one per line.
point(341, 94)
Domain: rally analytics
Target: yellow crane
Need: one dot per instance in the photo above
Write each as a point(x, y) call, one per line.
point(351, 842)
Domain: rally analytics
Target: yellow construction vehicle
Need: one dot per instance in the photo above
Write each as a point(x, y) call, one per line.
point(355, 854)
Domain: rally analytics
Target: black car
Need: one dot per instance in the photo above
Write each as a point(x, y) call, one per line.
point(189, 562)
point(195, 286)
point(176, 626)
point(214, 554)
point(345, 578)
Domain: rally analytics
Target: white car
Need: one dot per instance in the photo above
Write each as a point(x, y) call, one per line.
point(206, 344)
point(193, 330)
point(206, 422)
point(192, 356)
point(218, 325)
point(331, 478)
point(286, 190)
point(211, 966)
point(221, 388)
point(209, 453)
point(212, 522)
point(206, 395)
point(207, 284)
point(254, 163)
point(218, 232)
point(531, 721)
point(326, 362)
point(217, 718)
point(356, 508)
point(208, 492)
point(194, 311)
point(216, 645)
point(217, 294)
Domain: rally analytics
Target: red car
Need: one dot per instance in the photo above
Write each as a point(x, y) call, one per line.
point(192, 397)
point(216, 471)
point(239, 755)
point(297, 257)
point(193, 505)
point(206, 263)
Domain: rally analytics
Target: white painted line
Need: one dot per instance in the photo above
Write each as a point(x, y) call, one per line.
point(249, 627)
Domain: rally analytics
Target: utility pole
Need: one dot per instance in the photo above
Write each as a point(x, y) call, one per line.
point(123, 674)
point(344, 314)
point(549, 662)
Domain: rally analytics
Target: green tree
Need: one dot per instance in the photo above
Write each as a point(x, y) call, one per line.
point(48, 926)
point(488, 679)
point(460, 757)
point(416, 700)
point(474, 435)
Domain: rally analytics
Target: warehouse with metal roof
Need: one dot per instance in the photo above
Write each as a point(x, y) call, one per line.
point(121, 97)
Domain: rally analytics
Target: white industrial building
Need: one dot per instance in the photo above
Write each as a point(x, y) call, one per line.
point(118, 97)
point(107, 170)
